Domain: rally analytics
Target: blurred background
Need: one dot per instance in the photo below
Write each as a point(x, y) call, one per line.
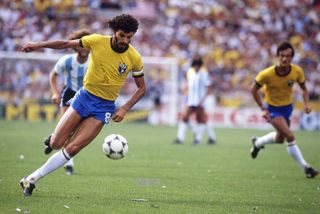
point(237, 39)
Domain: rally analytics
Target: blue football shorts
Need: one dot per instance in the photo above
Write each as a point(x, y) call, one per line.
point(280, 111)
point(89, 105)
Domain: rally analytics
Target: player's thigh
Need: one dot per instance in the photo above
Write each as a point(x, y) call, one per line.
point(63, 110)
point(187, 113)
point(86, 132)
point(282, 127)
point(67, 124)
point(201, 115)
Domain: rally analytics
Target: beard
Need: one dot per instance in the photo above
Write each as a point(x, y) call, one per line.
point(118, 47)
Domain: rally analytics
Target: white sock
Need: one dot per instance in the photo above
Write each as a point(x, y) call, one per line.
point(199, 132)
point(183, 126)
point(266, 139)
point(210, 131)
point(295, 152)
point(70, 163)
point(54, 162)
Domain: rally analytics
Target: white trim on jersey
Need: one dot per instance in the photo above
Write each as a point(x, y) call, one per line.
point(73, 71)
point(137, 73)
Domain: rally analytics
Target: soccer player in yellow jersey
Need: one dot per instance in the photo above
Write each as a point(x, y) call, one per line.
point(112, 59)
point(277, 82)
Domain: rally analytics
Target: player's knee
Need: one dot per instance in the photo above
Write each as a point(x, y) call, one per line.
point(279, 139)
point(72, 149)
point(56, 143)
point(290, 137)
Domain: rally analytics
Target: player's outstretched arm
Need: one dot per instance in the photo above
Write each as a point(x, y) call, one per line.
point(140, 92)
point(56, 44)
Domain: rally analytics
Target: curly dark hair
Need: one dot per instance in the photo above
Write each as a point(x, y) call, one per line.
point(284, 46)
point(79, 34)
point(124, 22)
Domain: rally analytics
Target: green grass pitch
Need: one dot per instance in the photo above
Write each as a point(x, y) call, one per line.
point(170, 178)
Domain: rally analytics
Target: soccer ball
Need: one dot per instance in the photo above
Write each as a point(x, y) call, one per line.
point(115, 146)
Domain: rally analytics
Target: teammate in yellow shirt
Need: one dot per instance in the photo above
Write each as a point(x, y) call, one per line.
point(111, 60)
point(277, 82)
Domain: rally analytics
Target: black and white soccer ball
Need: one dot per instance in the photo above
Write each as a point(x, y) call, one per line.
point(115, 146)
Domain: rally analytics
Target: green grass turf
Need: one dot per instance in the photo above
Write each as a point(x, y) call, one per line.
point(172, 178)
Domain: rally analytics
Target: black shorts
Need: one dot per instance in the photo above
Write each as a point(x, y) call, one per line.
point(66, 95)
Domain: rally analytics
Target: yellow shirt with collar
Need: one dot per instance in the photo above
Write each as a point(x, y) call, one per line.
point(278, 89)
point(108, 69)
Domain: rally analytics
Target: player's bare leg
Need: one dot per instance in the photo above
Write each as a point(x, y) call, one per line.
point(87, 131)
point(283, 128)
point(258, 143)
point(69, 166)
point(66, 125)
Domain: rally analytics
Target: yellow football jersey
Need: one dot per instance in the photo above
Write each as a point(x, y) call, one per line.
point(108, 69)
point(278, 89)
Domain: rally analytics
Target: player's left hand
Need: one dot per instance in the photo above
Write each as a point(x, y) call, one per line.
point(307, 109)
point(119, 115)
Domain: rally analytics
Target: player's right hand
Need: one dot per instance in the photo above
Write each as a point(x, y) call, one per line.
point(266, 115)
point(29, 47)
point(307, 109)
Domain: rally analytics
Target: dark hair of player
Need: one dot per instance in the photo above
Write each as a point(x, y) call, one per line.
point(284, 46)
point(79, 34)
point(124, 22)
point(197, 61)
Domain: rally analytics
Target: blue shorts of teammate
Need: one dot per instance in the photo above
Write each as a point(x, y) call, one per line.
point(280, 111)
point(89, 105)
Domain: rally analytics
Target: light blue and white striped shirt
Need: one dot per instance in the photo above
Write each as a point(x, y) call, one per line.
point(73, 71)
point(197, 85)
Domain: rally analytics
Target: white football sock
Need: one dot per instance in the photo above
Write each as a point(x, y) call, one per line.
point(54, 162)
point(70, 163)
point(183, 126)
point(199, 131)
point(295, 152)
point(210, 131)
point(266, 139)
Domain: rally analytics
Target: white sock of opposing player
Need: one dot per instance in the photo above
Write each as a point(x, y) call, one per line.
point(54, 162)
point(70, 163)
point(295, 152)
point(183, 126)
point(210, 131)
point(266, 139)
point(199, 132)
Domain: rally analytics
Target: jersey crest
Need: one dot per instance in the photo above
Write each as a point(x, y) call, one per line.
point(290, 83)
point(122, 68)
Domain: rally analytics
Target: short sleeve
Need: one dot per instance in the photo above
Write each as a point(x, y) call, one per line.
point(88, 41)
point(301, 78)
point(60, 66)
point(137, 70)
point(261, 78)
